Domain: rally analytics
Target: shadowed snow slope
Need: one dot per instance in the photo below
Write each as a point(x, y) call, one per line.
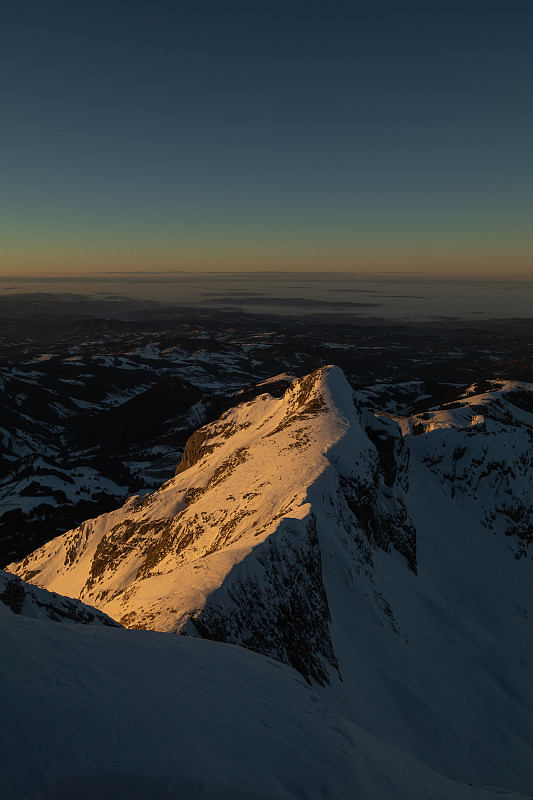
point(385, 558)
point(22, 598)
point(90, 712)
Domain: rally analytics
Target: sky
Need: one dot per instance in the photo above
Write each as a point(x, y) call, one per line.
point(379, 136)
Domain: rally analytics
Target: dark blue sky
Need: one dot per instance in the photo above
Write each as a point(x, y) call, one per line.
point(221, 135)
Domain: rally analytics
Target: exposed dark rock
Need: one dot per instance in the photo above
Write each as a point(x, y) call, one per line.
point(281, 609)
point(195, 449)
point(56, 607)
point(13, 594)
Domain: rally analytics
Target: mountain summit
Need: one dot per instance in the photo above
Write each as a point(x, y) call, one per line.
point(384, 557)
point(229, 549)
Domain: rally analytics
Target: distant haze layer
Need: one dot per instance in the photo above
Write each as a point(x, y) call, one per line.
point(390, 296)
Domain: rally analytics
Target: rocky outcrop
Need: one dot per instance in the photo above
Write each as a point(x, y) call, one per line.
point(22, 598)
point(276, 604)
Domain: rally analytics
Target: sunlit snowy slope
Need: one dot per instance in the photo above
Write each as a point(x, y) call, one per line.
point(385, 558)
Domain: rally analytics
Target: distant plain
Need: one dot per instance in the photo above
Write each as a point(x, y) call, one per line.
point(394, 296)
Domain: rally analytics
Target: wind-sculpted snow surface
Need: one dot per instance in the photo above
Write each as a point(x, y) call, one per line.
point(384, 557)
point(101, 713)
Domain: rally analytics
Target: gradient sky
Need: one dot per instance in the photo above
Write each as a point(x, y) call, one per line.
point(278, 135)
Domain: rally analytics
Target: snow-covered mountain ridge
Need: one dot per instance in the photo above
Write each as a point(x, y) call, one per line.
point(491, 463)
point(29, 601)
point(387, 551)
point(244, 490)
